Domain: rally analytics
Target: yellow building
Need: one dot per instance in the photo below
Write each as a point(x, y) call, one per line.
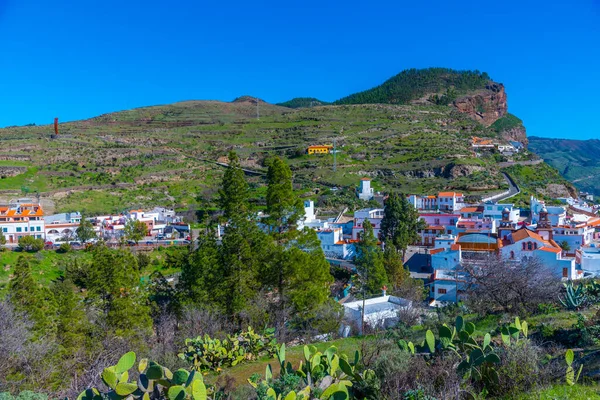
point(319, 149)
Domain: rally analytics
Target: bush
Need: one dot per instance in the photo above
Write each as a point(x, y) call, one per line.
point(64, 248)
point(25, 395)
point(520, 370)
point(29, 243)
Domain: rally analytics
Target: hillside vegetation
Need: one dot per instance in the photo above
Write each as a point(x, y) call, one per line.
point(413, 84)
point(577, 160)
point(174, 154)
point(300, 102)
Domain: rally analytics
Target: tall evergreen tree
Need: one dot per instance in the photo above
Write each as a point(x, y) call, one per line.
point(71, 320)
point(308, 276)
point(298, 268)
point(233, 195)
point(369, 261)
point(114, 286)
point(401, 223)
point(283, 207)
point(27, 296)
point(201, 273)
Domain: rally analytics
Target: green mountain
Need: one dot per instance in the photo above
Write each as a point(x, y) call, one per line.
point(413, 84)
point(173, 154)
point(302, 102)
point(577, 160)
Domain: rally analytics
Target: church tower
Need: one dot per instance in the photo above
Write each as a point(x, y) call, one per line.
point(506, 225)
point(544, 226)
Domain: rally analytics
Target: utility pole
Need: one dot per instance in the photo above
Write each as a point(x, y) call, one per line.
point(334, 156)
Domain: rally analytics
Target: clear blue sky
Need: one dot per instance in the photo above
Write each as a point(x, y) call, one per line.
point(78, 59)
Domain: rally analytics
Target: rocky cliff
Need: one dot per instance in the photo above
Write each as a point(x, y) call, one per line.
point(485, 106)
point(517, 134)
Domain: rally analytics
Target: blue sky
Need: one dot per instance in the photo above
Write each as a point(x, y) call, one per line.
point(79, 59)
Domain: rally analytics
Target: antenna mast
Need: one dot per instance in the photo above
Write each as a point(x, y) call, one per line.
point(334, 155)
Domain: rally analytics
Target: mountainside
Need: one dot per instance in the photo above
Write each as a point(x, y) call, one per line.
point(576, 160)
point(170, 154)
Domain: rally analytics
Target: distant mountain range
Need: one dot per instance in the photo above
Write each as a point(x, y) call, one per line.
point(576, 160)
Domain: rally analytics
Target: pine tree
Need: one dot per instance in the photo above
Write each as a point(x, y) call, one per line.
point(308, 277)
point(201, 273)
point(28, 297)
point(394, 267)
point(401, 223)
point(283, 207)
point(298, 268)
point(369, 262)
point(71, 319)
point(233, 195)
point(114, 285)
point(238, 258)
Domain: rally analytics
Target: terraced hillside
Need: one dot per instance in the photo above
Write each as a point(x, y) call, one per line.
point(173, 155)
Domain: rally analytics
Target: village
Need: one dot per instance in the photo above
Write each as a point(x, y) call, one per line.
point(565, 238)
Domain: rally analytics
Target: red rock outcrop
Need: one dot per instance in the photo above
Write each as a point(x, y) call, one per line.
point(485, 106)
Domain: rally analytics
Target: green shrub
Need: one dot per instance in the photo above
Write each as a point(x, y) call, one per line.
point(30, 243)
point(64, 248)
point(24, 395)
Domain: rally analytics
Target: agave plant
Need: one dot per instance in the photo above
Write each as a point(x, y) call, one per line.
point(574, 298)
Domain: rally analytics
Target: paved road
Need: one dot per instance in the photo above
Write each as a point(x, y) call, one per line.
point(513, 190)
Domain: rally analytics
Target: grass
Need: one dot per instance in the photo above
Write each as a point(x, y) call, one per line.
point(48, 265)
point(564, 392)
point(29, 181)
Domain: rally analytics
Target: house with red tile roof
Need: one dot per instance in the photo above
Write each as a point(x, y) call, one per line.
point(21, 219)
point(525, 244)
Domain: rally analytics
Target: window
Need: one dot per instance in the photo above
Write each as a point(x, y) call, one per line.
point(4, 230)
point(38, 228)
point(25, 229)
point(529, 246)
point(524, 246)
point(565, 273)
point(512, 255)
point(443, 291)
point(19, 229)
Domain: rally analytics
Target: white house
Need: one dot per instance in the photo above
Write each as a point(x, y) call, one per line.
point(588, 258)
point(423, 203)
point(450, 201)
point(61, 226)
point(374, 215)
point(380, 312)
point(20, 219)
point(524, 244)
point(365, 191)
point(334, 245)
